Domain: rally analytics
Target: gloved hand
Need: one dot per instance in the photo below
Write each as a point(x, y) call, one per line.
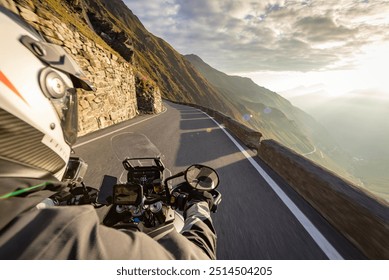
point(185, 196)
point(196, 197)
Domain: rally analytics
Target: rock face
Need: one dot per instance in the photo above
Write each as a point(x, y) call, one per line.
point(115, 99)
point(117, 39)
point(148, 96)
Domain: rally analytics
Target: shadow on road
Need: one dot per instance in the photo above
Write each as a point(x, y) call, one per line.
point(252, 222)
point(195, 124)
point(192, 116)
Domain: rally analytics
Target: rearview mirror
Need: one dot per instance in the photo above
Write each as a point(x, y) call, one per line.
point(201, 177)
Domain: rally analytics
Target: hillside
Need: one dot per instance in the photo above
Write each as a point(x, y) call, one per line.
point(276, 118)
point(181, 80)
point(261, 108)
point(363, 131)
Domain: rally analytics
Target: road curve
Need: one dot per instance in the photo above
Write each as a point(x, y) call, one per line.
point(252, 221)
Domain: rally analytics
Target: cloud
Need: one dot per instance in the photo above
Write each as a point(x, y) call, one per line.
point(322, 29)
point(242, 36)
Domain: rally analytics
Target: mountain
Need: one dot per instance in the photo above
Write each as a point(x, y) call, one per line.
point(177, 76)
point(260, 108)
point(351, 119)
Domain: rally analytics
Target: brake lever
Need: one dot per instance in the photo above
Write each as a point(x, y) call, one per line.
point(154, 198)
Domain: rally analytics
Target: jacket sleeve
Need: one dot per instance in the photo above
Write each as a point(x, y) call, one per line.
point(74, 232)
point(199, 229)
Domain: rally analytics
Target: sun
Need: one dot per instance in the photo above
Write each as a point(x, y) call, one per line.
point(374, 65)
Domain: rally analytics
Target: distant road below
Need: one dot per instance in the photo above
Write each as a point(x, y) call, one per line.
point(256, 220)
point(313, 151)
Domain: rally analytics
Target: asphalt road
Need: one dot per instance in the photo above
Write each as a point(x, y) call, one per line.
point(252, 222)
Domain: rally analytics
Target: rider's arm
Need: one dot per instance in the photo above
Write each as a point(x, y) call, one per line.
point(199, 228)
point(73, 232)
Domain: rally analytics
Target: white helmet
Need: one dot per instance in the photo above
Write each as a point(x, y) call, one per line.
point(38, 102)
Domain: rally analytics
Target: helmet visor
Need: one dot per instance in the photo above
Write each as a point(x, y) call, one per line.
point(69, 122)
point(64, 100)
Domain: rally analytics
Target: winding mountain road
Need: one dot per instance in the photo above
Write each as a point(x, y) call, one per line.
point(260, 217)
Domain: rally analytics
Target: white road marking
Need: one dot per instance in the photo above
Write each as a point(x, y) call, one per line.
point(112, 132)
point(320, 240)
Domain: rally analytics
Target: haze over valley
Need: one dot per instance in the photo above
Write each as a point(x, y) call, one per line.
point(358, 122)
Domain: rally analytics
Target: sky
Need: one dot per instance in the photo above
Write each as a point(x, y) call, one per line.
point(337, 46)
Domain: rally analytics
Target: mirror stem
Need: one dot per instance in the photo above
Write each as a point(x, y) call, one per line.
point(182, 173)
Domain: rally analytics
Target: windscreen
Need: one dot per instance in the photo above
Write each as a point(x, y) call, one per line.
point(133, 146)
point(137, 149)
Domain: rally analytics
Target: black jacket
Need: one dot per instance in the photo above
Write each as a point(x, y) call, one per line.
point(75, 232)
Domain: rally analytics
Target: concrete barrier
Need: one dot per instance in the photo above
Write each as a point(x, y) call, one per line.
point(360, 218)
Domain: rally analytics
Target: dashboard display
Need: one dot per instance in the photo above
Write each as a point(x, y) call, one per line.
point(127, 194)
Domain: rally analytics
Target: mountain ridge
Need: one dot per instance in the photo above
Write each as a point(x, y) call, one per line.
point(276, 118)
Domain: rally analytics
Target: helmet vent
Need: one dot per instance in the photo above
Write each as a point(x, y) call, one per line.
point(20, 142)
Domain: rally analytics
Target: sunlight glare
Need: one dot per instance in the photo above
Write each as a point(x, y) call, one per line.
point(369, 73)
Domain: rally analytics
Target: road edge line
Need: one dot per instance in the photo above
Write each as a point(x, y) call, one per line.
point(316, 235)
point(114, 131)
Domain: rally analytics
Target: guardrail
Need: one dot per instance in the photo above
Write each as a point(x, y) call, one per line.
point(362, 219)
